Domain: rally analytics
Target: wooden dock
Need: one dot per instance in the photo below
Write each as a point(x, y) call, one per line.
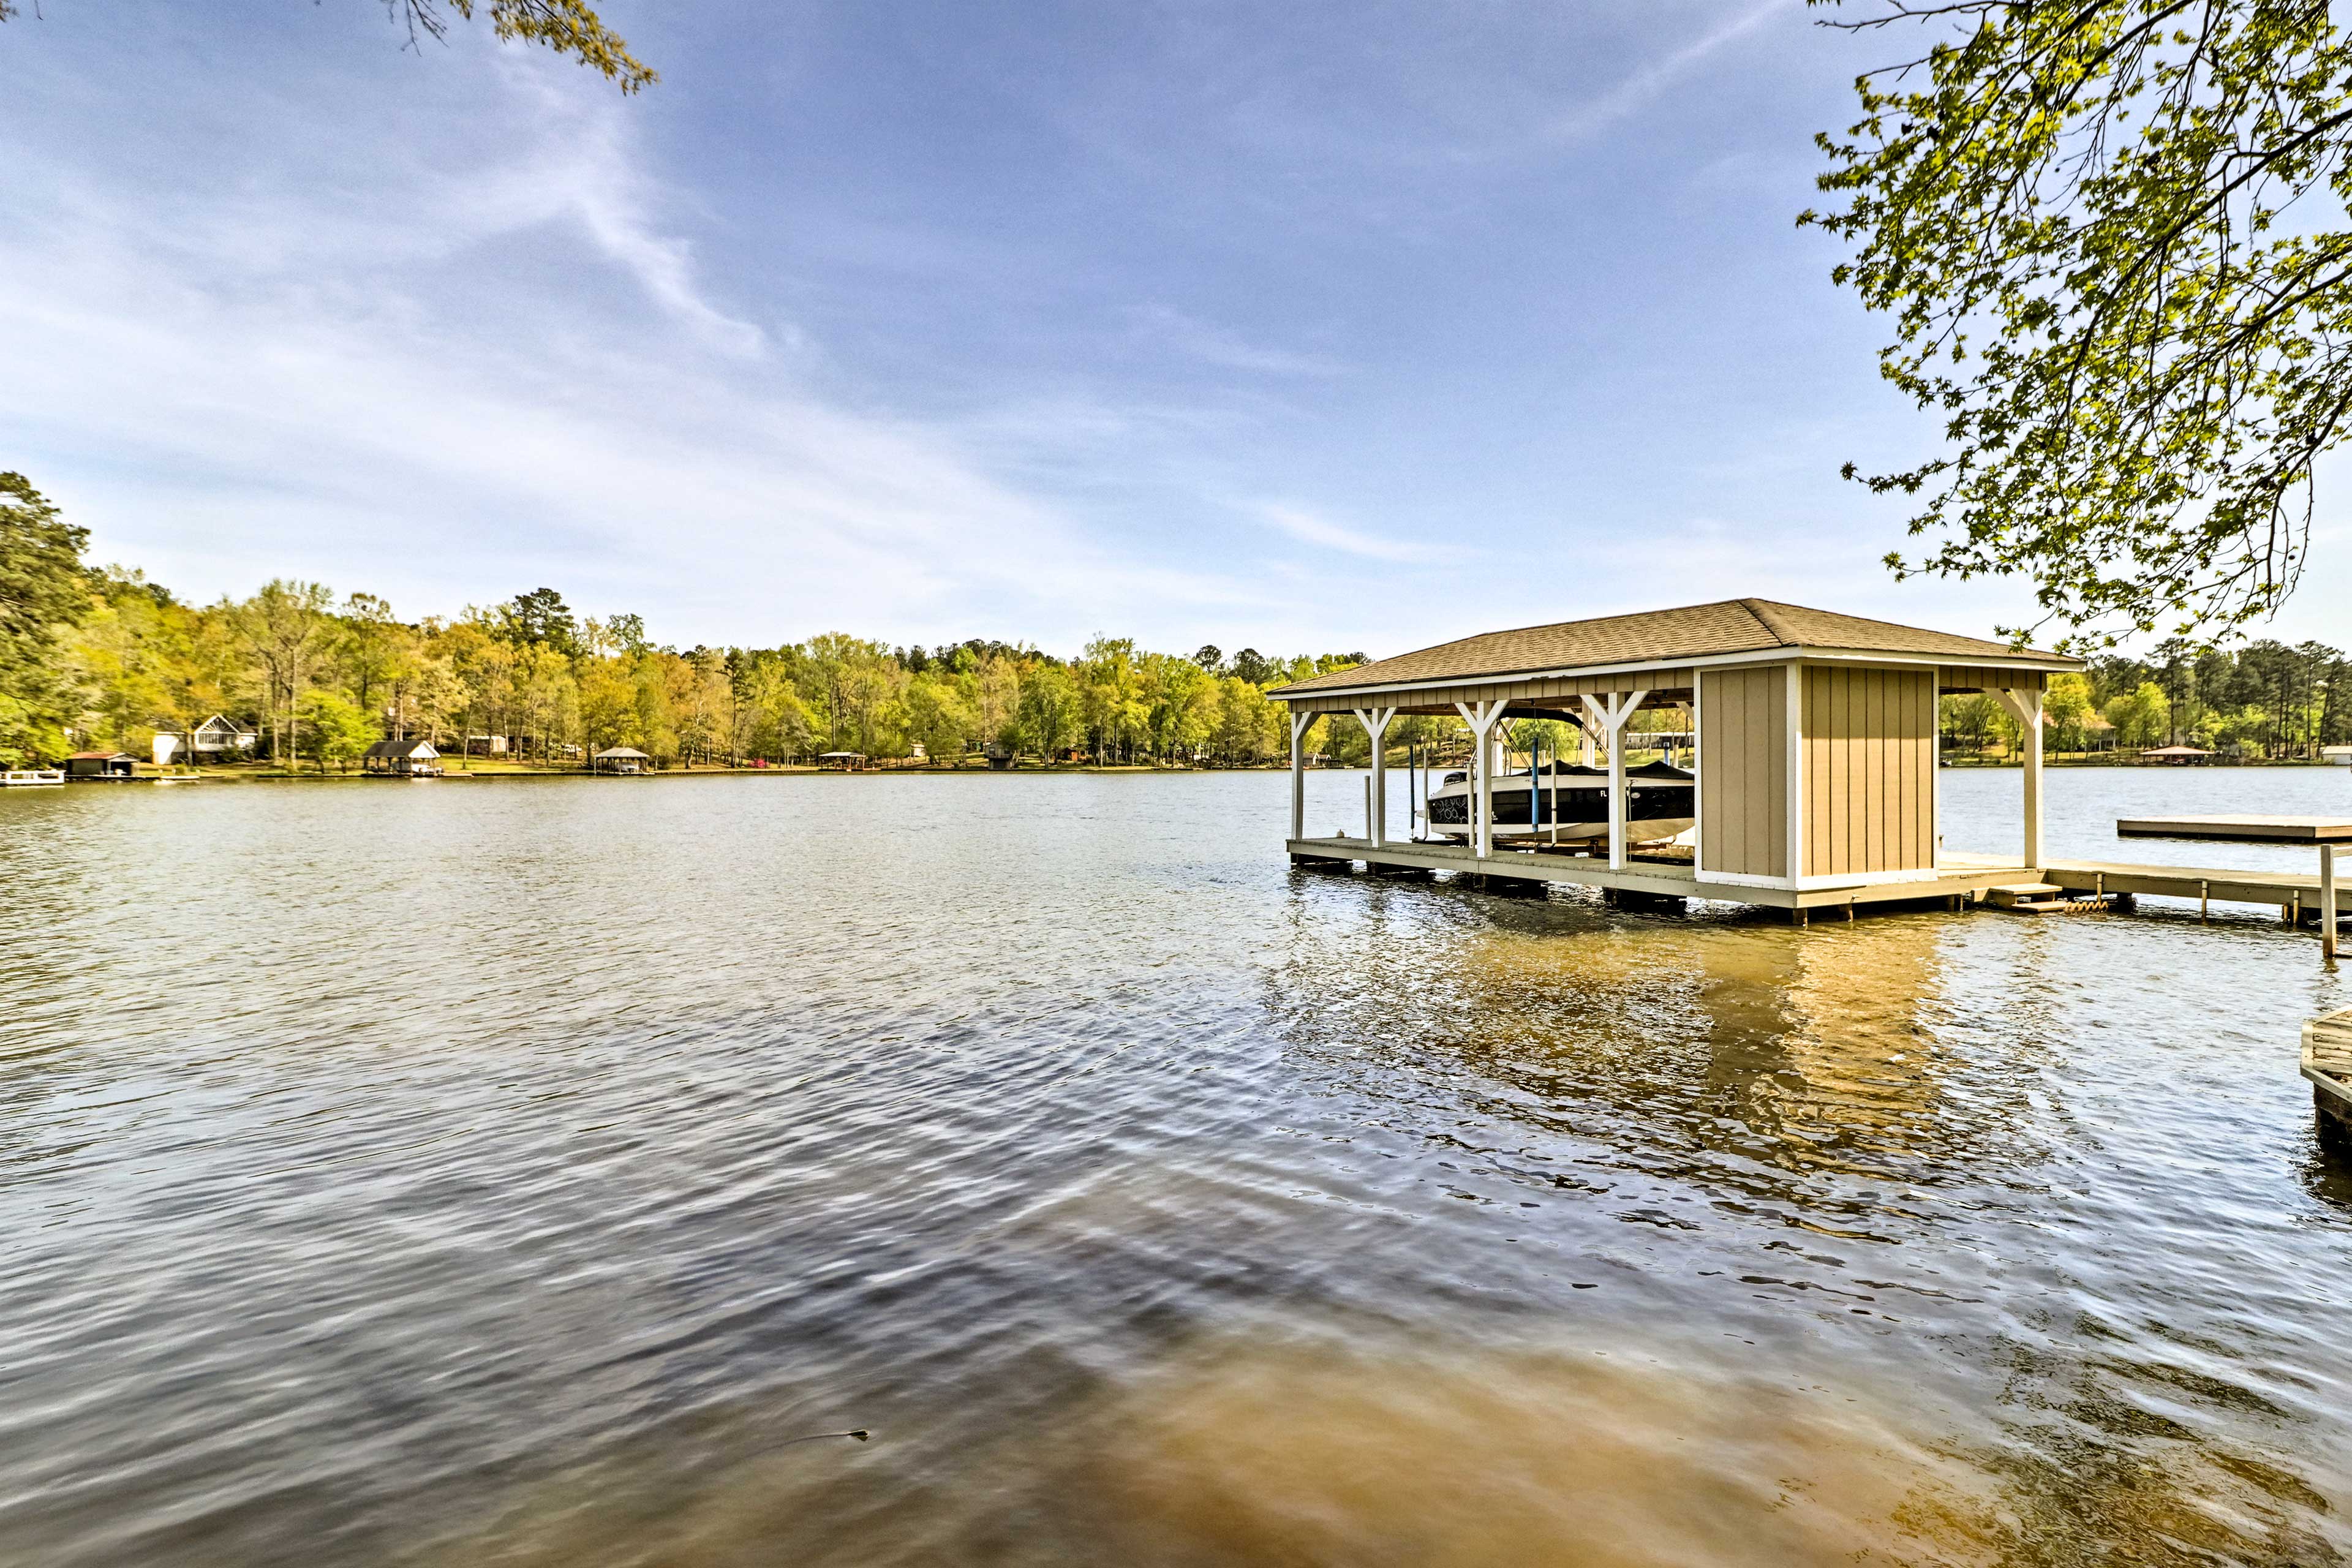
point(1958, 875)
point(2255, 829)
point(2283, 891)
point(1647, 876)
point(2328, 1063)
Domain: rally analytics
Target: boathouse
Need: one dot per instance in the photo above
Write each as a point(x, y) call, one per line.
point(101, 765)
point(403, 759)
point(620, 760)
point(1815, 751)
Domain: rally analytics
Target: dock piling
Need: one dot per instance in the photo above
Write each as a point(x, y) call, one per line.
point(2327, 915)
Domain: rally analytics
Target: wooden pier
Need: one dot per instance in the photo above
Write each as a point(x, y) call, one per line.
point(2328, 1063)
point(2296, 896)
point(2246, 829)
point(1648, 877)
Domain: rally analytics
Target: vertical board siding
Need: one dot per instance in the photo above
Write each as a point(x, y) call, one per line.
point(1743, 770)
point(1869, 738)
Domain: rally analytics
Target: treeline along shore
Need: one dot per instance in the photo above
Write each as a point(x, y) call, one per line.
point(99, 657)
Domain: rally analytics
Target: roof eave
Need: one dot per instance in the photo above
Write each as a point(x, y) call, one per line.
point(2034, 660)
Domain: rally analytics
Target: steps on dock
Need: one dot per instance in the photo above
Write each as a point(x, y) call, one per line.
point(2049, 898)
point(2052, 899)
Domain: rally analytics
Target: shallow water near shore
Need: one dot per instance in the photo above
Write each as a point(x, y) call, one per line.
point(506, 1173)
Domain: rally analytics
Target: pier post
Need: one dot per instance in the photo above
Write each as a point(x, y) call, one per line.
point(1614, 710)
point(2027, 707)
point(2327, 903)
point(1375, 721)
point(1299, 722)
point(1482, 717)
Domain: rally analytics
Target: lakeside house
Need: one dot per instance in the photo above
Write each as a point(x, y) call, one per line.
point(621, 760)
point(221, 735)
point(218, 738)
point(403, 759)
point(101, 765)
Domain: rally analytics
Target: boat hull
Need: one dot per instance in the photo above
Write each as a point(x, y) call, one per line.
point(1656, 810)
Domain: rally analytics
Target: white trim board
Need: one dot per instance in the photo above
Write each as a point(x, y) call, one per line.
point(1743, 878)
point(1866, 878)
point(1697, 662)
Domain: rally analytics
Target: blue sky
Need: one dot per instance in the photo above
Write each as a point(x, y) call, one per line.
point(1309, 327)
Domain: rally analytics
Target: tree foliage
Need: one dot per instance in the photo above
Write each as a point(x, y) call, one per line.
point(42, 591)
point(2111, 236)
point(569, 28)
point(40, 570)
point(2265, 701)
point(106, 657)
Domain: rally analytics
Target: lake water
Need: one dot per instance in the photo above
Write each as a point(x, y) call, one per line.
point(507, 1173)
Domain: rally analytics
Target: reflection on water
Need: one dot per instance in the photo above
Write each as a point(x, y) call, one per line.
point(479, 1172)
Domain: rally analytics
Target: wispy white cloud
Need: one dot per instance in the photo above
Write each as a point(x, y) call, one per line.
point(271, 383)
point(1311, 528)
point(1215, 346)
point(583, 169)
point(1646, 84)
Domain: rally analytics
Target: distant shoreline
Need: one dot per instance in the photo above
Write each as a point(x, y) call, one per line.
point(273, 775)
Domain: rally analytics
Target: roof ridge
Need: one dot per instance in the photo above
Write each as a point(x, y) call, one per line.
point(1577, 621)
point(2011, 646)
point(1762, 610)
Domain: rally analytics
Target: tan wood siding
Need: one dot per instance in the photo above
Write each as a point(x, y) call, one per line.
point(1743, 771)
point(1989, 677)
point(1869, 741)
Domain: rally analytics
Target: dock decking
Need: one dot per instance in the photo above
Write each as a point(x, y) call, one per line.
point(2256, 829)
point(1958, 874)
point(2328, 1063)
point(1648, 876)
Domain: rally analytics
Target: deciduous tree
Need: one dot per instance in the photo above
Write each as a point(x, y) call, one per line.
point(569, 28)
point(42, 590)
point(2111, 236)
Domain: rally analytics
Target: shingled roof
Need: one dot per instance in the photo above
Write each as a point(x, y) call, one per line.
point(1665, 636)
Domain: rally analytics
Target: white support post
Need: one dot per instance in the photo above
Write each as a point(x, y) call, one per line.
point(1612, 711)
point(1299, 722)
point(1375, 721)
point(2027, 707)
point(1481, 717)
point(2327, 903)
point(1497, 761)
